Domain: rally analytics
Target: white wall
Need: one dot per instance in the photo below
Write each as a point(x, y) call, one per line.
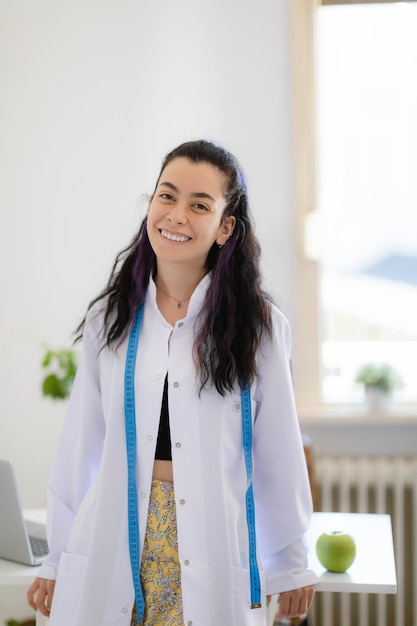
point(94, 93)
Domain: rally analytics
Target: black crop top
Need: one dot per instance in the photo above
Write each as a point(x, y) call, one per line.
point(163, 444)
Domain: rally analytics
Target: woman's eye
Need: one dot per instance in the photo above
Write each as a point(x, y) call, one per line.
point(201, 207)
point(165, 196)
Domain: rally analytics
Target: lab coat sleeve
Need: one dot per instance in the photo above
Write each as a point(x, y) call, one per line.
point(282, 491)
point(287, 569)
point(79, 450)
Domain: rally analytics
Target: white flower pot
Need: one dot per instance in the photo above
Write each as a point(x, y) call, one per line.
point(376, 399)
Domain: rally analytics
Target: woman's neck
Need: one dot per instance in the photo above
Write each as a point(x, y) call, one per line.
point(174, 290)
point(177, 283)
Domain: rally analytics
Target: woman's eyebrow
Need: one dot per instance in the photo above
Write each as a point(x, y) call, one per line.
point(202, 194)
point(170, 186)
point(195, 194)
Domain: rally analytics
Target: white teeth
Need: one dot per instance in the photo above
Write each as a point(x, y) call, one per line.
point(174, 237)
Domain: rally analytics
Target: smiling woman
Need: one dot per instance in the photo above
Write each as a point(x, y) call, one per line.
point(185, 356)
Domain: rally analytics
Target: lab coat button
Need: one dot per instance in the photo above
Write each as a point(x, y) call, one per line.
point(181, 324)
point(143, 494)
point(178, 444)
point(124, 609)
point(158, 376)
point(186, 562)
point(150, 437)
point(189, 623)
point(176, 384)
point(182, 501)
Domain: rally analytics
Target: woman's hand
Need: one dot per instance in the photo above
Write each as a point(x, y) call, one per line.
point(294, 603)
point(40, 595)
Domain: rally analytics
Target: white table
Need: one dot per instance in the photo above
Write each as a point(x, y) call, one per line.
point(373, 570)
point(16, 574)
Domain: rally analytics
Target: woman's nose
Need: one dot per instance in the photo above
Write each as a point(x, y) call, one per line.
point(177, 214)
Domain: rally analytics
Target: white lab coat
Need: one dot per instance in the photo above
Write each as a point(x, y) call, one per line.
point(87, 503)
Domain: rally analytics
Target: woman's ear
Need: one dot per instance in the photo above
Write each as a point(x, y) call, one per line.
point(226, 229)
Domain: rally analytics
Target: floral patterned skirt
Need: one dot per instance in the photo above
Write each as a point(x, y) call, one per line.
point(160, 568)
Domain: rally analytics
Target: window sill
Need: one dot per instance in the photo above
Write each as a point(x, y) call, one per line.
point(356, 431)
point(358, 413)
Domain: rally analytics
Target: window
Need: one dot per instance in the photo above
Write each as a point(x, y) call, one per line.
point(363, 233)
point(367, 192)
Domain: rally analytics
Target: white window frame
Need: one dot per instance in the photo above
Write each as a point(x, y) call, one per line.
point(306, 348)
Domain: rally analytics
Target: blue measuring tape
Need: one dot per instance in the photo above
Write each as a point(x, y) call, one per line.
point(130, 421)
point(255, 583)
point(132, 499)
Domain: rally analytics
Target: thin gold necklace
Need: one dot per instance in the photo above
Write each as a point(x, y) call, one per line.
point(179, 302)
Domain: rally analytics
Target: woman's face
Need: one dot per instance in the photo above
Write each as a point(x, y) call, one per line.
point(185, 213)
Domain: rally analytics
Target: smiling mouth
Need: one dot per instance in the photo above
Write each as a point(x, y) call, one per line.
point(171, 237)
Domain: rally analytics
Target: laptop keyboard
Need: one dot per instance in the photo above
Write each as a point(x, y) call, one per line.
point(39, 546)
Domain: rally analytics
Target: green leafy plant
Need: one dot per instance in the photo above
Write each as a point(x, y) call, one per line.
point(378, 376)
point(13, 622)
point(60, 367)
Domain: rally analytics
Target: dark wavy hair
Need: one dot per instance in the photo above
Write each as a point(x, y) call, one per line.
point(236, 312)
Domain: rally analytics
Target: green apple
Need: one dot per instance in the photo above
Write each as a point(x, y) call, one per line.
point(336, 550)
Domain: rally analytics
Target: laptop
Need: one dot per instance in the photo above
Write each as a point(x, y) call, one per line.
point(20, 540)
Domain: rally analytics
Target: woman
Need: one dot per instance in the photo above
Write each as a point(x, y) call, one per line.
point(188, 291)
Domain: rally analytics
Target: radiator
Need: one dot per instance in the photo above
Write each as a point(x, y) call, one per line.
point(372, 485)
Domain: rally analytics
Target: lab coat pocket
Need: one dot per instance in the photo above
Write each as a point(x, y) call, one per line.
point(79, 539)
point(68, 589)
point(232, 454)
point(244, 615)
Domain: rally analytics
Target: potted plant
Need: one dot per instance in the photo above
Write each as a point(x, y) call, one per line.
point(379, 381)
point(60, 367)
